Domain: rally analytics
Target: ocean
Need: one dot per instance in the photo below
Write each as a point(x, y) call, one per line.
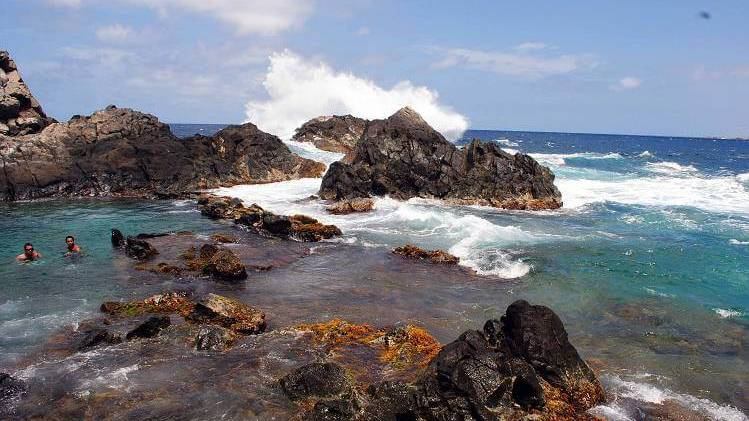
point(646, 263)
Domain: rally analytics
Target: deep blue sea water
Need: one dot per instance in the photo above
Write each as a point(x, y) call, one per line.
point(646, 262)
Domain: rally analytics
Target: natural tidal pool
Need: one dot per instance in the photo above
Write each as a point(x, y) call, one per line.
point(646, 265)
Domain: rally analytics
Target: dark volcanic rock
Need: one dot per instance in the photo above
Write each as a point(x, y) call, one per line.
point(118, 240)
point(150, 328)
point(296, 227)
point(213, 338)
point(121, 152)
point(96, 336)
point(403, 157)
point(315, 380)
point(228, 313)
point(20, 112)
point(139, 249)
point(332, 133)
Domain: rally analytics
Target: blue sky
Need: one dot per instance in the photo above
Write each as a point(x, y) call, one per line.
point(589, 66)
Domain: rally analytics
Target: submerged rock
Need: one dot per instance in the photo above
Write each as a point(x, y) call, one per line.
point(228, 313)
point(332, 133)
point(315, 380)
point(296, 227)
point(347, 206)
point(224, 265)
point(96, 336)
point(150, 328)
point(403, 157)
point(139, 249)
point(10, 388)
point(213, 338)
point(433, 256)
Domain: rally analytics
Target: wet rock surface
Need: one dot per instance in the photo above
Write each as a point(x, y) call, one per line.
point(433, 256)
point(295, 227)
point(139, 249)
point(150, 328)
point(228, 313)
point(347, 206)
point(403, 157)
point(213, 338)
point(332, 133)
point(315, 380)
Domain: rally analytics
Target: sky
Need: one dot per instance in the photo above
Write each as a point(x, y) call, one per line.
point(603, 66)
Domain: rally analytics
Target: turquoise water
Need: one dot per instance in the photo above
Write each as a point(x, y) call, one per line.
point(39, 297)
point(646, 263)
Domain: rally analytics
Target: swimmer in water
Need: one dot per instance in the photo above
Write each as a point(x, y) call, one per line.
point(73, 248)
point(29, 254)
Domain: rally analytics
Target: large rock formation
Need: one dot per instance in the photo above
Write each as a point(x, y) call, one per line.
point(338, 133)
point(402, 156)
point(121, 152)
point(20, 112)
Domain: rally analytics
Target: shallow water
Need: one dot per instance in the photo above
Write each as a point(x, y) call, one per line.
point(646, 265)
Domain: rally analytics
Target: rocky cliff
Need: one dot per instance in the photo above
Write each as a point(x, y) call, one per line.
point(403, 157)
point(20, 112)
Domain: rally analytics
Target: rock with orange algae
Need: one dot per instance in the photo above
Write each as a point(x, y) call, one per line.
point(433, 256)
point(400, 347)
point(169, 302)
point(228, 313)
point(224, 238)
point(219, 262)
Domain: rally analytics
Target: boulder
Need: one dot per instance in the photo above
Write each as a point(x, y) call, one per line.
point(347, 206)
point(228, 313)
point(139, 249)
point(224, 265)
point(434, 256)
point(332, 133)
point(213, 338)
point(118, 240)
point(20, 112)
point(315, 380)
point(403, 157)
point(150, 328)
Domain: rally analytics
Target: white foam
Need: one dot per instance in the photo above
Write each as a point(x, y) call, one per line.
point(712, 194)
point(506, 142)
point(727, 313)
point(557, 159)
point(309, 150)
point(652, 291)
point(510, 151)
point(736, 242)
point(670, 168)
point(646, 154)
point(646, 392)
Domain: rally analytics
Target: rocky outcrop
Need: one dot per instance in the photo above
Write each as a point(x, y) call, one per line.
point(139, 249)
point(434, 256)
point(347, 206)
point(121, 152)
point(403, 157)
point(20, 112)
point(228, 313)
point(296, 227)
point(519, 367)
point(222, 264)
point(214, 338)
point(338, 133)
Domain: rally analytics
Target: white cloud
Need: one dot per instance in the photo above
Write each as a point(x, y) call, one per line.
point(246, 16)
point(363, 31)
point(266, 17)
point(516, 63)
point(301, 89)
point(530, 46)
point(626, 83)
point(114, 33)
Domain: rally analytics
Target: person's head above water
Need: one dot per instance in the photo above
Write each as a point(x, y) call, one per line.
point(28, 253)
point(70, 241)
